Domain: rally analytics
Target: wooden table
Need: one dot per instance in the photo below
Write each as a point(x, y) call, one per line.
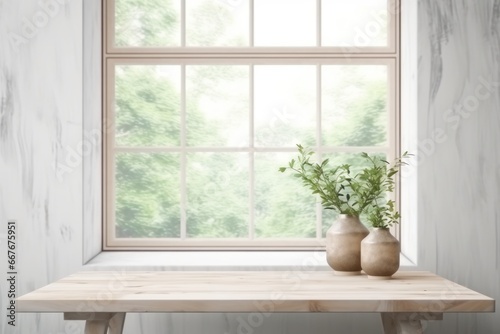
point(103, 298)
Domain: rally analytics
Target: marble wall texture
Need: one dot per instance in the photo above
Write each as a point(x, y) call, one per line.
point(40, 133)
point(49, 163)
point(459, 150)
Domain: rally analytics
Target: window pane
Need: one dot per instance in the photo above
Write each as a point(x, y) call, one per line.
point(285, 23)
point(283, 206)
point(354, 105)
point(147, 195)
point(217, 22)
point(147, 105)
point(147, 23)
point(357, 23)
point(217, 105)
point(285, 105)
point(217, 195)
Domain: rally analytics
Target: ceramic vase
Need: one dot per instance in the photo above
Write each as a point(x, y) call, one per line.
point(343, 245)
point(380, 254)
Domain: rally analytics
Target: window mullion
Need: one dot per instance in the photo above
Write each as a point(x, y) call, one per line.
point(183, 185)
point(319, 208)
point(251, 145)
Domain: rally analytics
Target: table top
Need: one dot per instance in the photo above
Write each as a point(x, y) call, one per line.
point(251, 291)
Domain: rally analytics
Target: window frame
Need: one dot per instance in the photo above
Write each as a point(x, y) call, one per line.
point(111, 56)
point(392, 47)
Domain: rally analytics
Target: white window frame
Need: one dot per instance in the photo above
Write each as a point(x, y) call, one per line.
point(326, 55)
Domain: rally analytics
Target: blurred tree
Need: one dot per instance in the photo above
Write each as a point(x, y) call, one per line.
point(147, 195)
point(283, 207)
point(147, 105)
point(209, 23)
point(148, 113)
point(147, 23)
point(218, 192)
point(366, 122)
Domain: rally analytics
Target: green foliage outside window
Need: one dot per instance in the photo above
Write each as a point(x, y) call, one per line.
point(148, 106)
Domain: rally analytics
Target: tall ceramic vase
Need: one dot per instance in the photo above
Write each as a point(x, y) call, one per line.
point(380, 254)
point(343, 245)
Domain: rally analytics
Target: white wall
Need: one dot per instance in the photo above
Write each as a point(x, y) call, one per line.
point(459, 138)
point(41, 128)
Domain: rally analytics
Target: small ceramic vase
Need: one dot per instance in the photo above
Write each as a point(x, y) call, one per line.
point(380, 254)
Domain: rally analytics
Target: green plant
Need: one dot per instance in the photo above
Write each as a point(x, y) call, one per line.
point(383, 215)
point(382, 211)
point(350, 193)
point(330, 183)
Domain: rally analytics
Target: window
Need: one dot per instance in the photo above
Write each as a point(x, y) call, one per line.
point(206, 99)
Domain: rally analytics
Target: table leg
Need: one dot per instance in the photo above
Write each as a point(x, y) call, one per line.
point(116, 323)
point(407, 323)
point(99, 322)
point(96, 327)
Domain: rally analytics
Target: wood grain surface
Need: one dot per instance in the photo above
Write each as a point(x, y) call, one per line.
point(239, 291)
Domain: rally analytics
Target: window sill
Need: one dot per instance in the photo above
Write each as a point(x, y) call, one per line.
point(215, 260)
